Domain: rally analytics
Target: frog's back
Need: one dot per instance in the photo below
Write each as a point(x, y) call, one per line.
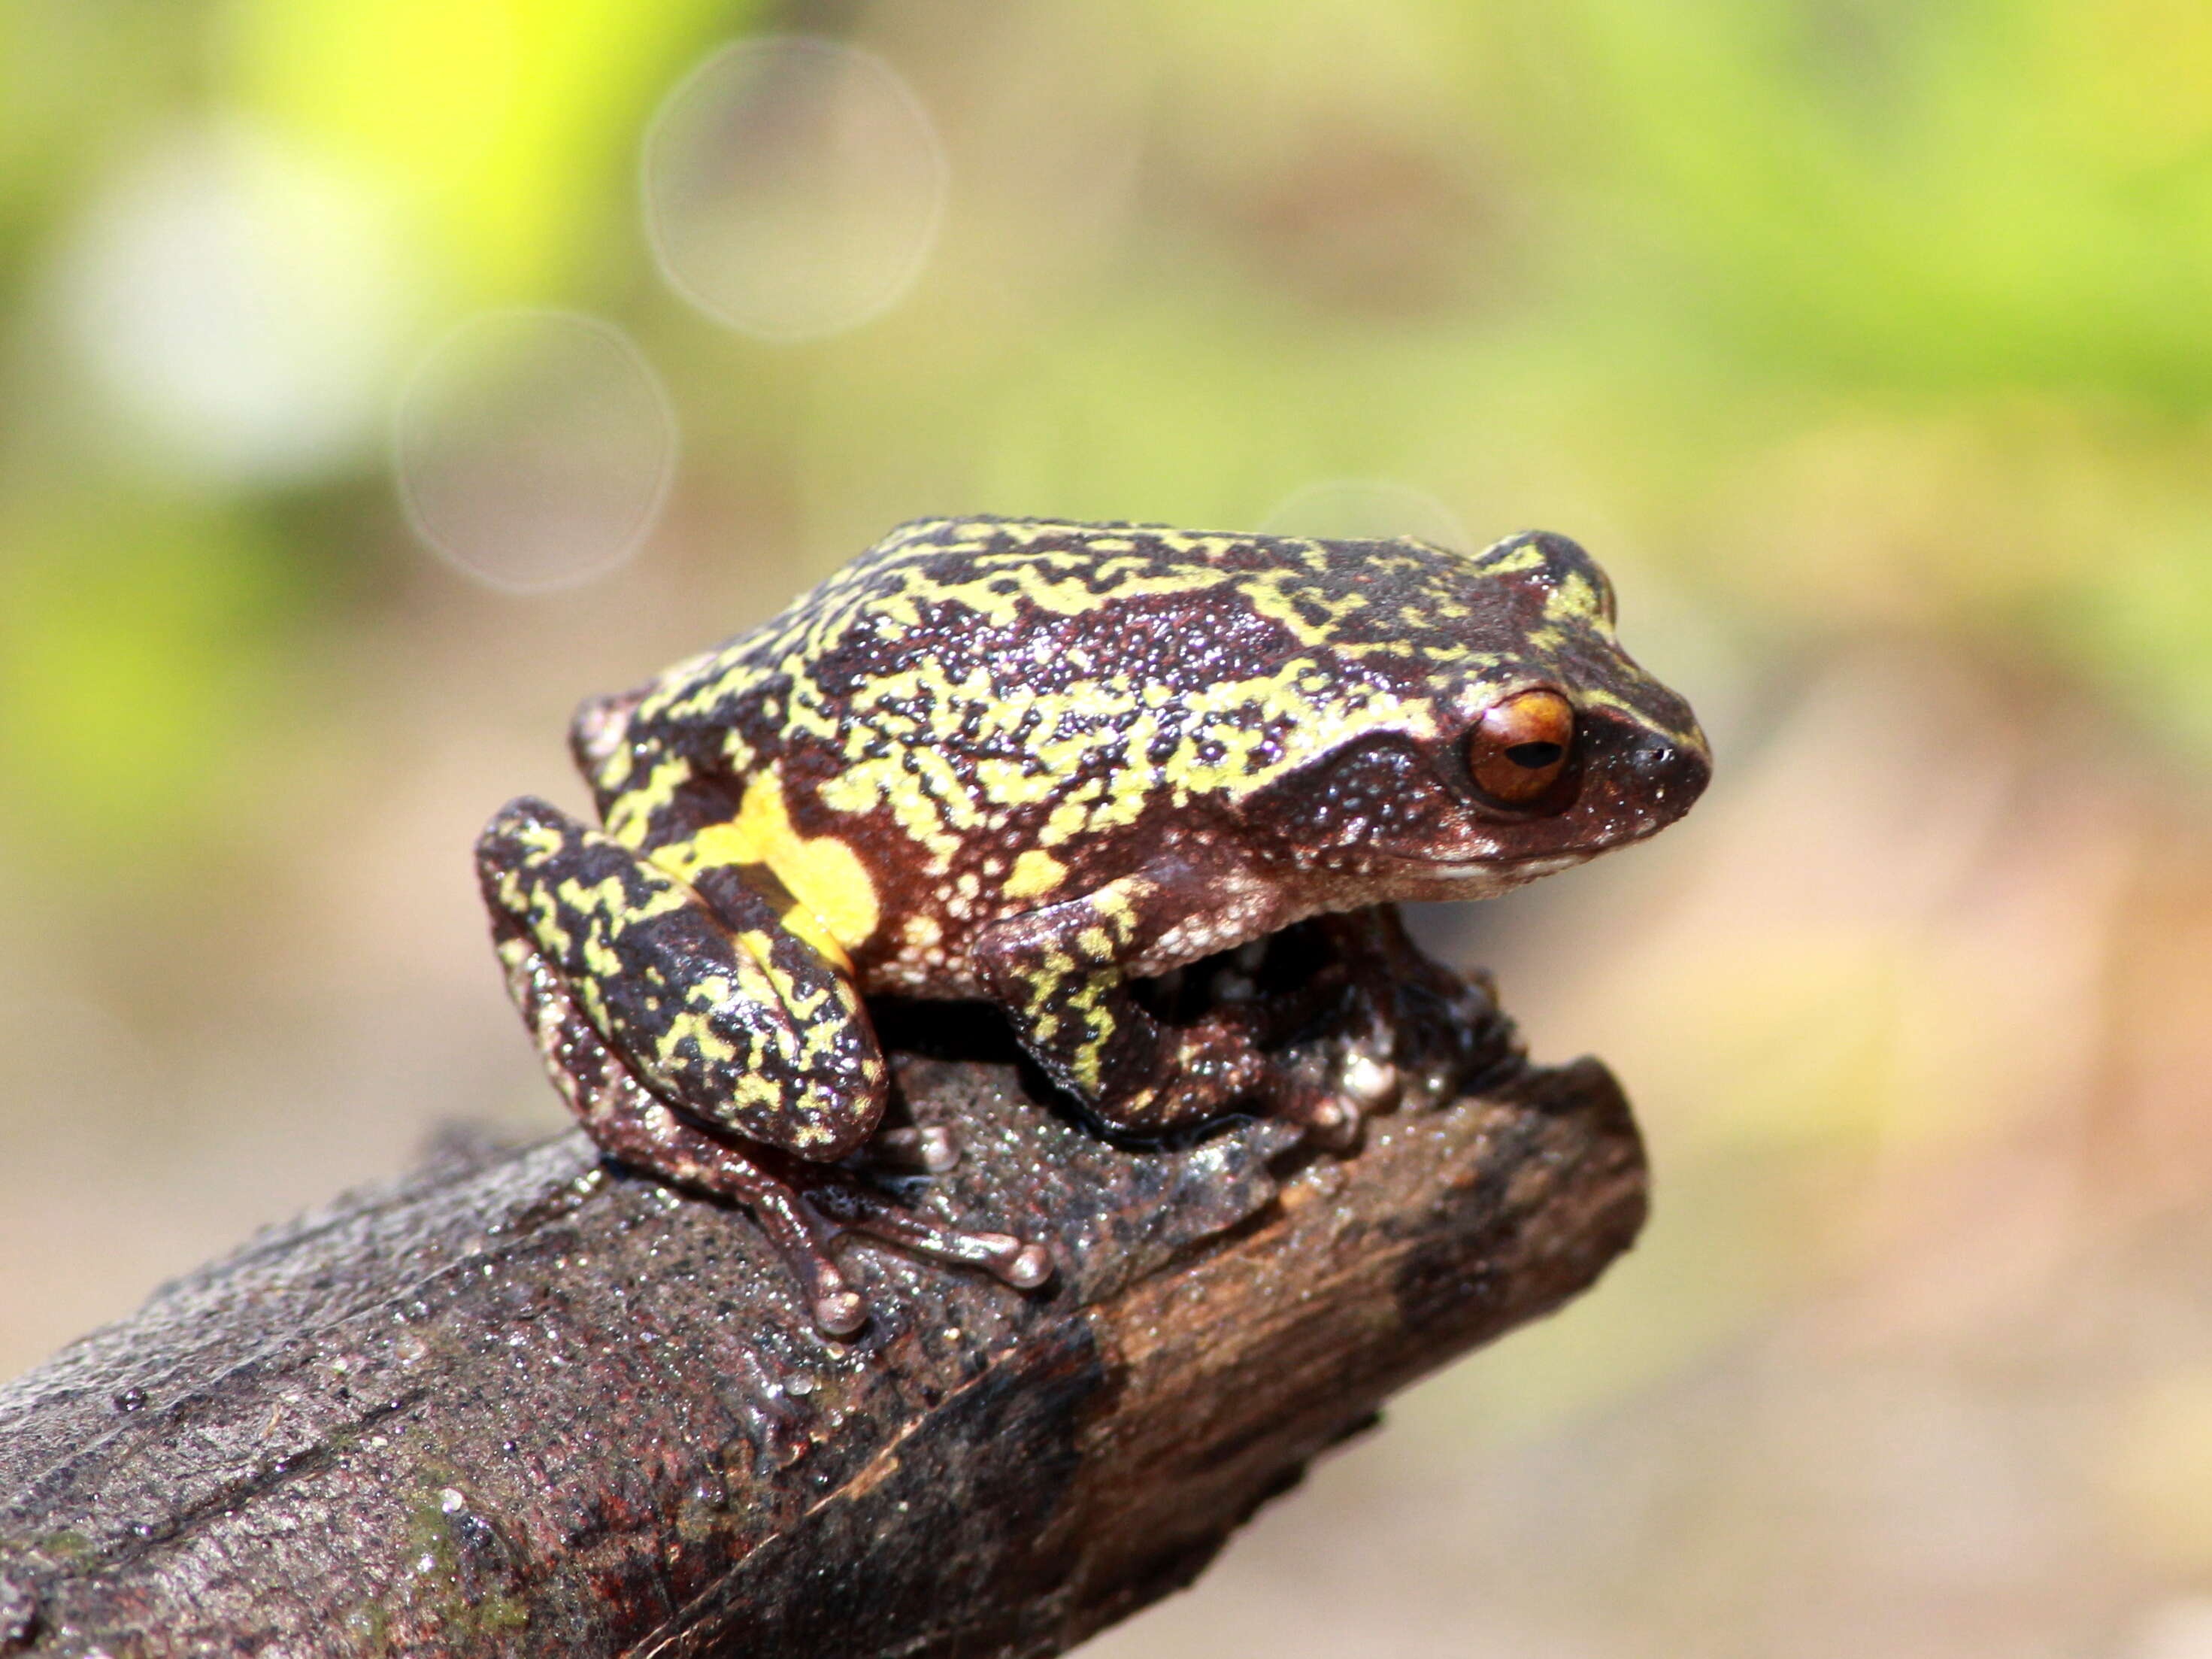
point(947, 625)
point(943, 591)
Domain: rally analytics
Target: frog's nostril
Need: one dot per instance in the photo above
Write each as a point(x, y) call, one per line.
point(1670, 770)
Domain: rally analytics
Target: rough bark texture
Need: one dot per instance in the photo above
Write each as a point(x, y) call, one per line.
point(521, 1402)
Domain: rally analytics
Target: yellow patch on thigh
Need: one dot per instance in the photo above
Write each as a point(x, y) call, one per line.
point(837, 909)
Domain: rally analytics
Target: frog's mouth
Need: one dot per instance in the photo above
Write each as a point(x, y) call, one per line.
point(1526, 869)
point(1411, 876)
point(1506, 869)
point(1517, 867)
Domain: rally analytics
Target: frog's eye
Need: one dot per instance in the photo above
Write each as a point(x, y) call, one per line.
point(1518, 749)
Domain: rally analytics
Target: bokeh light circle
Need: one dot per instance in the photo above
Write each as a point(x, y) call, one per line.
point(534, 449)
point(793, 187)
point(243, 302)
point(1366, 509)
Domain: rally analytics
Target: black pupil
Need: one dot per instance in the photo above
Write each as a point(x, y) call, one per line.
point(1536, 756)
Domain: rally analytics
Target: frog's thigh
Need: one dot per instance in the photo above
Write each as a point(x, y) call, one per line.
point(728, 1015)
point(1058, 973)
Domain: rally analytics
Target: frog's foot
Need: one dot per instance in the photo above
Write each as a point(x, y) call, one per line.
point(1330, 1113)
point(630, 1123)
point(790, 1209)
point(1334, 1110)
point(858, 1209)
point(655, 1140)
point(1237, 1047)
point(1421, 1032)
point(1332, 1122)
point(1351, 1018)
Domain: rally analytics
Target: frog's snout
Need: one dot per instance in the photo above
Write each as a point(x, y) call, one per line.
point(1670, 774)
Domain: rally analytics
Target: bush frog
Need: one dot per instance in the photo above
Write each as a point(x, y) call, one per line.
point(1030, 763)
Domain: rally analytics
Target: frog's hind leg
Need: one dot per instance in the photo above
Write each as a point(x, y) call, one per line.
point(568, 906)
point(721, 1012)
point(628, 1123)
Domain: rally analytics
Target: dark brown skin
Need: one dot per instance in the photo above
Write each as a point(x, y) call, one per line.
point(1035, 763)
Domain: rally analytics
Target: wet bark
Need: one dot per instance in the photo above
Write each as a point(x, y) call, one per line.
point(523, 1403)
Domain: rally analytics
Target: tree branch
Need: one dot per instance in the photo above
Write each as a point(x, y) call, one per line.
point(522, 1402)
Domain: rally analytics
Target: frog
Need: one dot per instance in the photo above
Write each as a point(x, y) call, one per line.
point(1038, 764)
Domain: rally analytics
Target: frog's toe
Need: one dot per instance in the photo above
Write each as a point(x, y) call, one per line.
point(1012, 1261)
point(929, 1150)
point(1028, 1267)
point(840, 1312)
point(1331, 1121)
point(835, 1307)
point(1331, 1115)
point(1374, 1084)
point(1022, 1263)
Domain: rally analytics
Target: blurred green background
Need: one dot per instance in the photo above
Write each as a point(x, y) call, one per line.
point(379, 377)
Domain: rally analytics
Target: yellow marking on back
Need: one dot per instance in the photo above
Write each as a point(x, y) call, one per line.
point(996, 595)
point(632, 813)
point(1529, 555)
point(1068, 818)
point(1264, 591)
point(1035, 872)
point(542, 840)
point(1577, 596)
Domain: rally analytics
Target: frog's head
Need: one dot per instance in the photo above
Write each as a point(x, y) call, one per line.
point(1521, 741)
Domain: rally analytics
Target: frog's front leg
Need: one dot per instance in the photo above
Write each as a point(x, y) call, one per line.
point(1417, 1027)
point(1063, 972)
point(664, 1020)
